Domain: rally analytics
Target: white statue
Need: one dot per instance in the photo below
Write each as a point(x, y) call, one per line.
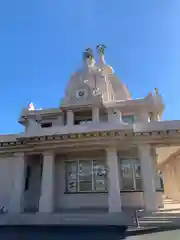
point(31, 107)
point(88, 57)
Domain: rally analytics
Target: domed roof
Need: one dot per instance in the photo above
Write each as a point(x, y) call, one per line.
point(100, 78)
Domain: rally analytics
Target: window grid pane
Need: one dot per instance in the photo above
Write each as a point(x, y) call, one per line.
point(127, 174)
point(71, 176)
point(86, 176)
point(93, 176)
point(128, 118)
point(137, 174)
point(100, 176)
point(130, 174)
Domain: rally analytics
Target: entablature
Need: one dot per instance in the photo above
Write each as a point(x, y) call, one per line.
point(130, 135)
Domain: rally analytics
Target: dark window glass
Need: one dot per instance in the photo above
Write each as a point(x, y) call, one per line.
point(86, 176)
point(46, 125)
point(27, 179)
point(128, 119)
point(71, 176)
point(130, 174)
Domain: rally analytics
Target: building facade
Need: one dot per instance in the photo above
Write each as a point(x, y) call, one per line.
point(96, 151)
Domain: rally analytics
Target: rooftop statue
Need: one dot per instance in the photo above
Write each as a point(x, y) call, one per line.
point(100, 49)
point(156, 91)
point(88, 57)
point(31, 107)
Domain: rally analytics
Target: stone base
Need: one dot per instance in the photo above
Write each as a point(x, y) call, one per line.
point(113, 219)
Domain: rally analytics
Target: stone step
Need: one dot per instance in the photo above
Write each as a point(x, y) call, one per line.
point(66, 219)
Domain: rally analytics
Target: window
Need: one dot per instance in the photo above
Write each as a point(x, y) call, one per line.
point(27, 178)
point(82, 117)
point(128, 119)
point(82, 122)
point(130, 174)
point(159, 181)
point(100, 176)
point(46, 125)
point(151, 116)
point(71, 176)
point(86, 176)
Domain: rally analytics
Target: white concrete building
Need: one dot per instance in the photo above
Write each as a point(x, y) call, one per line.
point(97, 150)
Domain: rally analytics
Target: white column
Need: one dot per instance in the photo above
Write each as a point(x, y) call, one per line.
point(114, 197)
point(46, 203)
point(148, 178)
point(143, 117)
point(95, 115)
point(114, 115)
point(17, 193)
point(70, 118)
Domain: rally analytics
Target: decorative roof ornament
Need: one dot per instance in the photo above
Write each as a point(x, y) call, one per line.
point(31, 107)
point(100, 50)
point(156, 92)
point(88, 57)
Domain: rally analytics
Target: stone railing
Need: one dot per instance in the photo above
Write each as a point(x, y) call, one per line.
point(156, 126)
point(57, 130)
point(77, 129)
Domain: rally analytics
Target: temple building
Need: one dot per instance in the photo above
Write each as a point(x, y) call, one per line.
point(98, 150)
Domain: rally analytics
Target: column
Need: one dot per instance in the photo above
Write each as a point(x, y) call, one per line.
point(114, 115)
point(70, 118)
point(114, 197)
point(148, 178)
point(143, 117)
point(95, 115)
point(46, 203)
point(17, 194)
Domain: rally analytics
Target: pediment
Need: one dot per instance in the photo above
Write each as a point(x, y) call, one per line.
point(82, 94)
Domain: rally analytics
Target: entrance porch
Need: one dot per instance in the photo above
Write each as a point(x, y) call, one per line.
point(93, 181)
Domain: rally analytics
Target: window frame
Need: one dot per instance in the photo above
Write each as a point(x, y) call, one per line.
point(129, 115)
point(78, 191)
point(132, 161)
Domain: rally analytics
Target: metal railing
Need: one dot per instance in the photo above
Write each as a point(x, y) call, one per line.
point(136, 217)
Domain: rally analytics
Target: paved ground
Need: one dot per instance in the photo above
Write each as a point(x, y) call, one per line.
point(83, 233)
point(61, 233)
point(164, 219)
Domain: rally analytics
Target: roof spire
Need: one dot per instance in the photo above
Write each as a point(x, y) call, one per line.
point(100, 50)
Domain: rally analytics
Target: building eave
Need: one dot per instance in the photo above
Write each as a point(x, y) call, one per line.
point(126, 137)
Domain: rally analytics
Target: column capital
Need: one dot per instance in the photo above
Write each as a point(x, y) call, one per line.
point(48, 153)
point(19, 154)
point(144, 146)
point(111, 149)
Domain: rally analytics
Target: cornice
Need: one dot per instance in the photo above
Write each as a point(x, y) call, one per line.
point(125, 136)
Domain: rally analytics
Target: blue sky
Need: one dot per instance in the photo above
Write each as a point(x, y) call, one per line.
point(41, 42)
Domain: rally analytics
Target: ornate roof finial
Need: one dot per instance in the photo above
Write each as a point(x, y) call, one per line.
point(156, 92)
point(31, 107)
point(100, 49)
point(88, 57)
